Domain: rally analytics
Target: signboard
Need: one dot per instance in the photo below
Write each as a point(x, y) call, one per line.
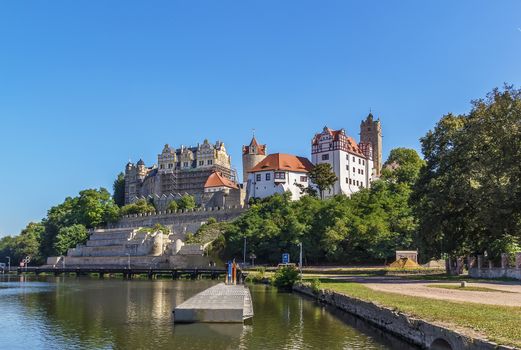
point(285, 258)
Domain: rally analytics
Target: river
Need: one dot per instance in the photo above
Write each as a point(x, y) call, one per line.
point(89, 313)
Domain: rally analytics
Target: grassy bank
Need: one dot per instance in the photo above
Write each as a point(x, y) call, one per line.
point(498, 323)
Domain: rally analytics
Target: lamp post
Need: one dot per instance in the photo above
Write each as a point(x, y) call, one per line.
point(244, 253)
point(300, 259)
point(8, 263)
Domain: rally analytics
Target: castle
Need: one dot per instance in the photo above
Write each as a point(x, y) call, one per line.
point(205, 171)
point(356, 165)
point(186, 170)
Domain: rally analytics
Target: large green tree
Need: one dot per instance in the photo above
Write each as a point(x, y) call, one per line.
point(468, 196)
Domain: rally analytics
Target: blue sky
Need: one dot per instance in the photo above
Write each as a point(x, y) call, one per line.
point(87, 85)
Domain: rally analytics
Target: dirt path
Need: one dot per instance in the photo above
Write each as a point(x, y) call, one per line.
point(422, 289)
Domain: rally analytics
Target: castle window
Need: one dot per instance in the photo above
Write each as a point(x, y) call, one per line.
point(268, 176)
point(303, 179)
point(280, 175)
point(363, 162)
point(170, 166)
point(258, 177)
point(201, 162)
point(354, 170)
point(353, 158)
point(362, 171)
point(210, 162)
point(359, 161)
point(185, 164)
point(347, 180)
point(162, 166)
point(325, 157)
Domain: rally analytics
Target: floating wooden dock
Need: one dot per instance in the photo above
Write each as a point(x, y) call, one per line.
point(221, 303)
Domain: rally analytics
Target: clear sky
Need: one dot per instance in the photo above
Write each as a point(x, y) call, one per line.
point(87, 85)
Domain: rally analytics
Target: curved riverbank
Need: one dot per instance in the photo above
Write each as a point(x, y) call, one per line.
point(414, 330)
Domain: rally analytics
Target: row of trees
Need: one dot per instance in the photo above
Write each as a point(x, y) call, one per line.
point(64, 226)
point(67, 224)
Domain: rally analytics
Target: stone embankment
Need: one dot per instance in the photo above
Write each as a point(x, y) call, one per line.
point(180, 220)
point(416, 331)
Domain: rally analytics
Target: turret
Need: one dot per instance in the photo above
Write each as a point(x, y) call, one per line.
point(252, 154)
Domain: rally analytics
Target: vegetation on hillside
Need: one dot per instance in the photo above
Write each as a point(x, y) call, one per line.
point(65, 226)
point(368, 226)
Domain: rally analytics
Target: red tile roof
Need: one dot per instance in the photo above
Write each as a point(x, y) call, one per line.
point(281, 161)
point(261, 149)
point(217, 180)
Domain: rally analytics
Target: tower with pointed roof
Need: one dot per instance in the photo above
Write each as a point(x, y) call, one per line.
point(371, 133)
point(252, 155)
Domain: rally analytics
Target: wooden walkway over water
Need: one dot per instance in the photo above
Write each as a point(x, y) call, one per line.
point(126, 272)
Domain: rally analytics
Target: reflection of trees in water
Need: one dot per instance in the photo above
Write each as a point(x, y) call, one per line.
point(111, 313)
point(91, 313)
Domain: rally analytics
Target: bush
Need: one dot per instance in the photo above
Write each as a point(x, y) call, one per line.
point(258, 276)
point(138, 207)
point(285, 277)
point(316, 286)
point(172, 206)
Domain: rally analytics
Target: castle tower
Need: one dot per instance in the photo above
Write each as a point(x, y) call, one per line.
point(251, 156)
point(371, 132)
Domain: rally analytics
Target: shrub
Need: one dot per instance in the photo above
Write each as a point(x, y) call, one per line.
point(316, 286)
point(172, 206)
point(285, 277)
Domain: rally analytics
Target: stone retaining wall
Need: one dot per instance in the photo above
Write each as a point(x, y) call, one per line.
point(178, 219)
point(416, 331)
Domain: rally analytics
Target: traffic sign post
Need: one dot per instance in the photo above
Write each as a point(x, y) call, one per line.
point(285, 258)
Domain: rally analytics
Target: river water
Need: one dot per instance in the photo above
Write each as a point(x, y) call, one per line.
point(88, 313)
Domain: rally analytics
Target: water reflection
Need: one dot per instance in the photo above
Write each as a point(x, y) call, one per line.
point(74, 313)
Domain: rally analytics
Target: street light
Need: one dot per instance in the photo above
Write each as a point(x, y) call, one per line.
point(300, 259)
point(244, 253)
point(8, 263)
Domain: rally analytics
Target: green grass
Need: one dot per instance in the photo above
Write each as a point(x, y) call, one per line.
point(467, 288)
point(498, 323)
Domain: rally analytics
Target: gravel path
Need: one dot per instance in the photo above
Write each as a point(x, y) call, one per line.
point(421, 289)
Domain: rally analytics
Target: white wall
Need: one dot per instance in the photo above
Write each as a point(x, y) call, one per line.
point(342, 164)
point(265, 188)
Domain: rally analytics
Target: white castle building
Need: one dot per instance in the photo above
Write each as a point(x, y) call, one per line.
point(353, 163)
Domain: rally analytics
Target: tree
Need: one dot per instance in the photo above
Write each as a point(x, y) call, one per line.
point(27, 243)
point(119, 190)
point(323, 176)
point(403, 165)
point(186, 202)
point(91, 208)
point(70, 236)
point(467, 196)
point(140, 206)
